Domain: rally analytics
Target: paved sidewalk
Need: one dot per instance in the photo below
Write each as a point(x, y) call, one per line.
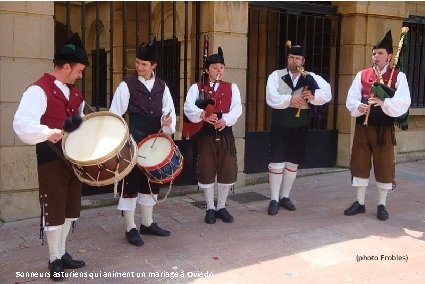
point(314, 244)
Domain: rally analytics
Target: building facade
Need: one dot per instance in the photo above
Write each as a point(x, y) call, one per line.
point(339, 37)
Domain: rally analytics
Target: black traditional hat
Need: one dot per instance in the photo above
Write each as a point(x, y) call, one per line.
point(215, 58)
point(146, 52)
point(72, 50)
point(298, 49)
point(386, 42)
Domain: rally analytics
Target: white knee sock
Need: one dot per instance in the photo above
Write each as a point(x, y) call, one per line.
point(287, 182)
point(54, 243)
point(361, 193)
point(223, 192)
point(275, 180)
point(65, 230)
point(147, 218)
point(382, 196)
point(209, 197)
point(129, 219)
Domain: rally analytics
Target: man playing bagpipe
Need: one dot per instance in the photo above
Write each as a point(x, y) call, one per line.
point(290, 92)
point(377, 96)
point(217, 159)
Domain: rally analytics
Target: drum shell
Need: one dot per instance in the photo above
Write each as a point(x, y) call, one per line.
point(109, 168)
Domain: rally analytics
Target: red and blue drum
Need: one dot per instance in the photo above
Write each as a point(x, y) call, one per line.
point(159, 158)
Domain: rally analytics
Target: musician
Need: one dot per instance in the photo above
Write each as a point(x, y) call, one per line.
point(215, 141)
point(375, 141)
point(39, 119)
point(147, 100)
point(290, 94)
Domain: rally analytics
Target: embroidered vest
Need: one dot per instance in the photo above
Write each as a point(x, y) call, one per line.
point(144, 107)
point(223, 100)
point(58, 109)
point(286, 117)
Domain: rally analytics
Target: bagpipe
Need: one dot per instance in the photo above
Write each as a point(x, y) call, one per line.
point(310, 84)
point(306, 80)
point(204, 101)
point(383, 91)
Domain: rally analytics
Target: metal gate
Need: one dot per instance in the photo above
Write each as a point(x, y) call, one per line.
point(111, 33)
point(271, 24)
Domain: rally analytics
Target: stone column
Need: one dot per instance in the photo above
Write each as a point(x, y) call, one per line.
point(26, 52)
point(363, 24)
point(227, 26)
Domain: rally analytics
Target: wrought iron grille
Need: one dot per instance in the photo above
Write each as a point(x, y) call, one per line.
point(269, 29)
point(413, 59)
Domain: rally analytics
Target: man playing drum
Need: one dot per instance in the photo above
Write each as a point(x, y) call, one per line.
point(215, 141)
point(147, 100)
point(41, 114)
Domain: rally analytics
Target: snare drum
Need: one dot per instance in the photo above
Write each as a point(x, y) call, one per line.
point(101, 150)
point(159, 158)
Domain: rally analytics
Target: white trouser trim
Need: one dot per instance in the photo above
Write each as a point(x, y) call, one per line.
point(204, 185)
point(126, 204)
point(276, 166)
point(52, 228)
point(292, 167)
point(360, 181)
point(147, 199)
point(388, 186)
point(225, 184)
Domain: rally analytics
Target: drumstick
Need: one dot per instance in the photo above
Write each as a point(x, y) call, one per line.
point(160, 129)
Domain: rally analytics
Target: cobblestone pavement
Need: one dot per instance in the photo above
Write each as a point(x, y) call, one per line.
point(314, 244)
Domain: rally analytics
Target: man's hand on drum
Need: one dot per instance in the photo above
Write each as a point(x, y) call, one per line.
point(211, 119)
point(166, 120)
point(55, 135)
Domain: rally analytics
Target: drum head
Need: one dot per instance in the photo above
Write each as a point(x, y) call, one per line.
point(98, 136)
point(152, 156)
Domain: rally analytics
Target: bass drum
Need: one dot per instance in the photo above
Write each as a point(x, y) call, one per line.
point(101, 150)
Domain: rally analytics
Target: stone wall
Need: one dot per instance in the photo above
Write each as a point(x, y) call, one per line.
point(24, 56)
point(363, 24)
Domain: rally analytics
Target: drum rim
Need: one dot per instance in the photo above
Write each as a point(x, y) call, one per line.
point(109, 155)
point(153, 179)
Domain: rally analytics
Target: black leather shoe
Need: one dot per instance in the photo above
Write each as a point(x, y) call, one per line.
point(69, 262)
point(355, 209)
point(210, 216)
point(134, 238)
point(273, 207)
point(153, 229)
point(56, 270)
point(287, 204)
point(382, 213)
point(224, 215)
